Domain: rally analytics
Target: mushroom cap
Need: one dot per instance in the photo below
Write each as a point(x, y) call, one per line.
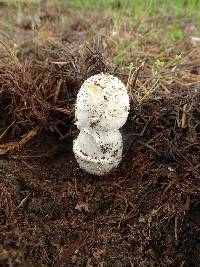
point(98, 152)
point(102, 103)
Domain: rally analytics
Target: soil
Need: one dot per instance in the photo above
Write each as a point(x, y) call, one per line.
point(52, 213)
point(144, 213)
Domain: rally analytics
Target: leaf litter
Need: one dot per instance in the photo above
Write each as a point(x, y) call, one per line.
point(145, 213)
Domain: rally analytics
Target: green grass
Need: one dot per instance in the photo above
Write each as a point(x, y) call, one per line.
point(135, 26)
point(134, 8)
point(138, 7)
point(143, 11)
point(15, 2)
point(176, 33)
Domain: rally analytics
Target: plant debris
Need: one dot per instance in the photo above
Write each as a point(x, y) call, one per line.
point(144, 213)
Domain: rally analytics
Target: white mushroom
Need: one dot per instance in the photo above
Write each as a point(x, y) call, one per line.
point(102, 103)
point(102, 107)
point(98, 152)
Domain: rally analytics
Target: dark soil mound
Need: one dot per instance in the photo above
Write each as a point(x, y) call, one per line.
point(145, 213)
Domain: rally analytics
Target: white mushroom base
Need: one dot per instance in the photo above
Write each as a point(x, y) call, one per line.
point(98, 152)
